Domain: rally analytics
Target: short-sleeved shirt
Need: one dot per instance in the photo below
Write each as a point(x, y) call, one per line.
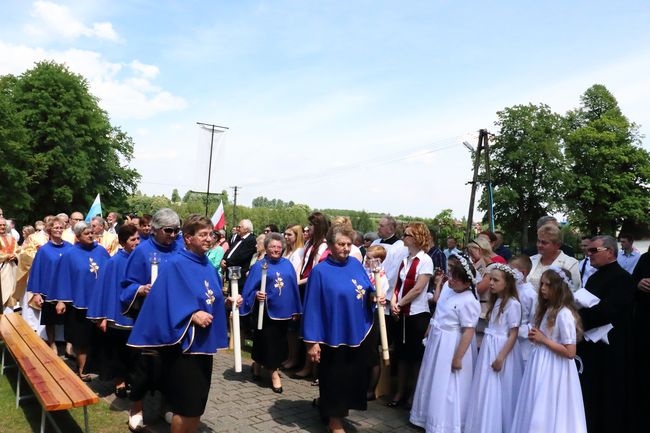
point(425, 267)
point(456, 310)
point(564, 330)
point(510, 318)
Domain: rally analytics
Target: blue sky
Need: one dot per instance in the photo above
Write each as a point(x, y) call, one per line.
point(356, 104)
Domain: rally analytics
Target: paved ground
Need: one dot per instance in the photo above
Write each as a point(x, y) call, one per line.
point(237, 404)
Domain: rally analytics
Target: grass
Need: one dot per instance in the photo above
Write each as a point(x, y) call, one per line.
point(27, 418)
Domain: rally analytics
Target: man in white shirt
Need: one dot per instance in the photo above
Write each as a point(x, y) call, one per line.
point(395, 249)
point(451, 247)
point(628, 256)
point(586, 270)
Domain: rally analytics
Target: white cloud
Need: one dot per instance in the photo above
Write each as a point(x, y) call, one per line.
point(122, 96)
point(54, 20)
point(147, 71)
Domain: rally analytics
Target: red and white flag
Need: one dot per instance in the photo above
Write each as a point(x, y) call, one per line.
point(219, 219)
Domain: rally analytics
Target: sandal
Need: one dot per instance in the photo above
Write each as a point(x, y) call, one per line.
point(85, 377)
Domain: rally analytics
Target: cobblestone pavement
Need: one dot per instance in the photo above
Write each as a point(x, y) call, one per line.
point(237, 404)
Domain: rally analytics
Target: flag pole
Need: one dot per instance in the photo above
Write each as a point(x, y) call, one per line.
point(212, 127)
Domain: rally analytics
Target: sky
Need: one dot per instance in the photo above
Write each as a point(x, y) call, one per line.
point(334, 104)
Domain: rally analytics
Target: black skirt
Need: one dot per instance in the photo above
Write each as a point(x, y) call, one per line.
point(49, 316)
point(343, 379)
point(146, 372)
point(115, 356)
point(270, 343)
point(411, 349)
point(78, 330)
point(187, 382)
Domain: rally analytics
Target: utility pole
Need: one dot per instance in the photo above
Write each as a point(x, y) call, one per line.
point(211, 127)
point(482, 145)
point(234, 207)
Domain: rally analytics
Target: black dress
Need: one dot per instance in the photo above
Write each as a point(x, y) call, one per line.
point(606, 378)
point(641, 346)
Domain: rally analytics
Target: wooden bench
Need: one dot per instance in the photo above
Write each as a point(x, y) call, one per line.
point(54, 385)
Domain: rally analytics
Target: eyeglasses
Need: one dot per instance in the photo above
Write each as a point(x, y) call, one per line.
point(171, 230)
point(267, 231)
point(595, 250)
point(77, 219)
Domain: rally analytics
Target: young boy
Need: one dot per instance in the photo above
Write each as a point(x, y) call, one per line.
point(528, 299)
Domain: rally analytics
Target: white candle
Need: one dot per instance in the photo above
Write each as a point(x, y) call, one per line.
point(382, 319)
point(260, 316)
point(154, 272)
point(234, 284)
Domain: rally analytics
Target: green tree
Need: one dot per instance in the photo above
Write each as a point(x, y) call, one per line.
point(527, 167)
point(76, 152)
point(16, 161)
point(609, 171)
point(176, 197)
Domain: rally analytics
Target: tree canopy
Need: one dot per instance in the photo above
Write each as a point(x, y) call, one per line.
point(62, 147)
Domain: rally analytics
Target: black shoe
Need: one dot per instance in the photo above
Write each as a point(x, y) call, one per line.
point(277, 390)
point(121, 392)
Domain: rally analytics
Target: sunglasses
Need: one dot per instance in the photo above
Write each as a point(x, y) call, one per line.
point(171, 230)
point(595, 250)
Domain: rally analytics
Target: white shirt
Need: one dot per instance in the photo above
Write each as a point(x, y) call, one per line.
point(232, 250)
point(588, 272)
point(425, 267)
point(562, 261)
point(395, 253)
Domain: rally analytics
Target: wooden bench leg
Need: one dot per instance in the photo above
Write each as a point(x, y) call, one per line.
point(86, 419)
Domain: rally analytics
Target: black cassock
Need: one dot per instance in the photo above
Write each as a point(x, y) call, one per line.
point(642, 346)
point(606, 379)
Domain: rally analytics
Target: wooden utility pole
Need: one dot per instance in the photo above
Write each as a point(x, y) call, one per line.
point(481, 146)
point(234, 206)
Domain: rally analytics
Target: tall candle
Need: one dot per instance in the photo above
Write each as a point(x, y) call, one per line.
point(260, 316)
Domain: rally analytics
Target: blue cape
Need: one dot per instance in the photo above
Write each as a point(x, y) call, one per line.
point(282, 295)
point(105, 303)
point(188, 283)
point(337, 309)
point(78, 273)
point(138, 269)
point(41, 274)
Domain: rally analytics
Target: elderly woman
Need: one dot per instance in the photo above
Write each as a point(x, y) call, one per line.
point(75, 281)
point(549, 241)
point(183, 317)
point(259, 250)
point(41, 276)
point(410, 306)
point(160, 247)
point(338, 315)
point(281, 305)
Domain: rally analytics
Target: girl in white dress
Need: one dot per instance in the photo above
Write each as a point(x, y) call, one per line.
point(550, 398)
point(498, 372)
point(445, 379)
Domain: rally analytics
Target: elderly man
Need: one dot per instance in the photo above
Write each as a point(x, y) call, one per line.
point(241, 252)
point(68, 233)
point(395, 249)
point(111, 219)
point(8, 246)
point(108, 240)
point(606, 378)
point(586, 270)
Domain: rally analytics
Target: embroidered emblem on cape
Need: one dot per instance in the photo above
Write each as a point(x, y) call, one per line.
point(93, 267)
point(279, 283)
point(359, 288)
point(209, 294)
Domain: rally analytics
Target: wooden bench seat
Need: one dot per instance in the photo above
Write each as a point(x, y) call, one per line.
point(54, 385)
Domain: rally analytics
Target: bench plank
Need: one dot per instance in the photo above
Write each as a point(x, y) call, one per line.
point(48, 392)
point(77, 391)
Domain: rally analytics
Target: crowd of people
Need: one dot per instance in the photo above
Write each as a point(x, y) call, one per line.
point(480, 340)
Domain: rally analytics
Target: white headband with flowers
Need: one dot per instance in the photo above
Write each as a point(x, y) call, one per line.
point(558, 270)
point(463, 261)
point(504, 268)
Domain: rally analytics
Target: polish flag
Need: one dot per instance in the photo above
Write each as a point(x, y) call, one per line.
point(219, 219)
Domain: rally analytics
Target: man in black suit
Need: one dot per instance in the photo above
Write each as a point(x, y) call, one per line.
point(242, 251)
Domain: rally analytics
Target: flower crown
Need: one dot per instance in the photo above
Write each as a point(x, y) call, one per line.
point(463, 261)
point(503, 268)
point(558, 270)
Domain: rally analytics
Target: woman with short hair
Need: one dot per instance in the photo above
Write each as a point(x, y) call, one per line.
point(183, 317)
point(281, 305)
point(410, 306)
point(549, 241)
